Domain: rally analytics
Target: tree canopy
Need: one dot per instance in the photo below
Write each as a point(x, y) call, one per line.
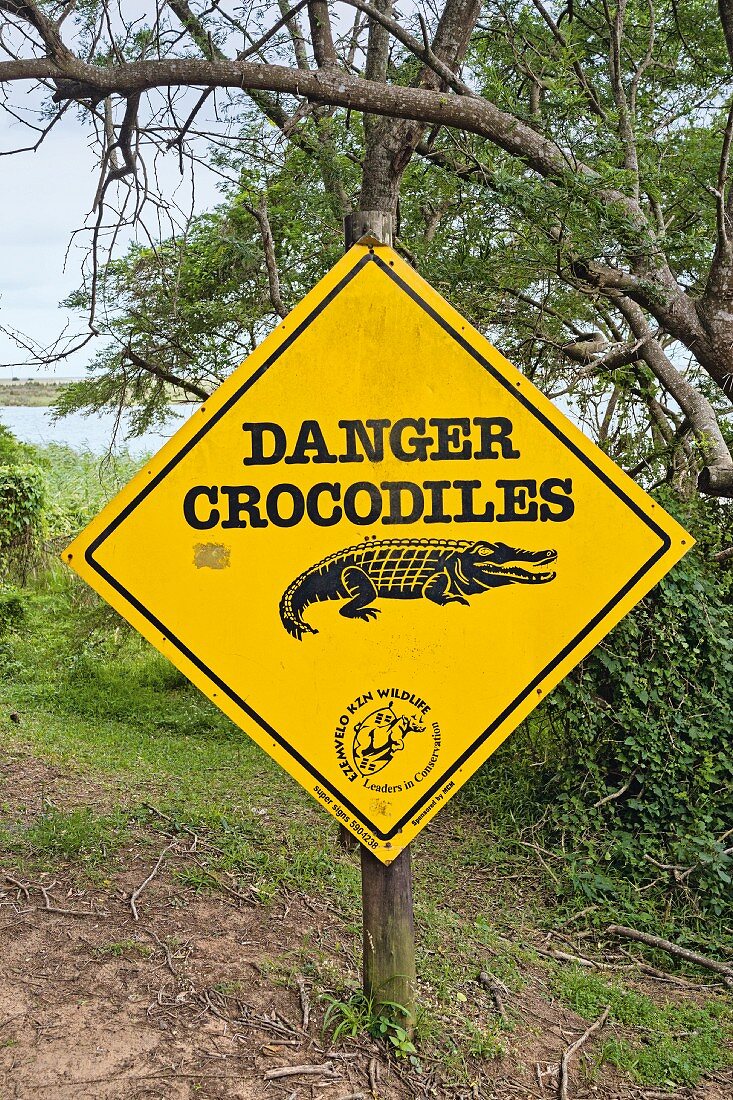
point(563, 171)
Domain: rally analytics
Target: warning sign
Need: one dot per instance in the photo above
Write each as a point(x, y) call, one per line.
point(377, 547)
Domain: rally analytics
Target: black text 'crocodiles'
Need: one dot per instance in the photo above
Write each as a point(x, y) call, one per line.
point(441, 570)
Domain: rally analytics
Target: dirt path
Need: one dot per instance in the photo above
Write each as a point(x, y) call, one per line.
point(211, 995)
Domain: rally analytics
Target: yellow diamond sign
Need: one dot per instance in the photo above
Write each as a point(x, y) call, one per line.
point(377, 547)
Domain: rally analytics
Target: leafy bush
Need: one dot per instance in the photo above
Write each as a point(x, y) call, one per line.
point(12, 610)
point(12, 453)
point(21, 519)
point(645, 721)
point(628, 764)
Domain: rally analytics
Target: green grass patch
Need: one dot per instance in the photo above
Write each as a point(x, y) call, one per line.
point(120, 949)
point(673, 1044)
point(79, 834)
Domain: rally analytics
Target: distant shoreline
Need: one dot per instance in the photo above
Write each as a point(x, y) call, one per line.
point(29, 392)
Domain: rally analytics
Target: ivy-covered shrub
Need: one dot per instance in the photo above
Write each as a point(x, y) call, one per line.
point(641, 731)
point(21, 520)
point(628, 764)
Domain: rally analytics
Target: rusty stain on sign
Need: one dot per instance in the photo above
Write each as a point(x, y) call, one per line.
point(211, 555)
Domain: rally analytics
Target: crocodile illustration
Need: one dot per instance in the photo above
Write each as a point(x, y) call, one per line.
point(441, 570)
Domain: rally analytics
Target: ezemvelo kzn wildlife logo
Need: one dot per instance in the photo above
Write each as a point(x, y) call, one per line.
point(379, 726)
point(442, 570)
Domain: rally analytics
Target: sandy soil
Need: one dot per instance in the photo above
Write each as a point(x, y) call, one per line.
point(208, 996)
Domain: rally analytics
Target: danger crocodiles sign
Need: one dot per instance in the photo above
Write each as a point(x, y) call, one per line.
point(377, 547)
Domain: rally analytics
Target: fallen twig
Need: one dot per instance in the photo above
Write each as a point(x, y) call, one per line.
point(673, 949)
point(49, 908)
point(305, 1005)
point(225, 887)
point(136, 893)
point(20, 885)
point(564, 956)
point(577, 916)
point(497, 990)
point(325, 1070)
point(615, 794)
point(574, 1047)
point(373, 1075)
point(165, 949)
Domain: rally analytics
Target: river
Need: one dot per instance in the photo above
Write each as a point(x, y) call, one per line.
point(85, 433)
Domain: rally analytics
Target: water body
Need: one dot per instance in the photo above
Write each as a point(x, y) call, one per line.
point(86, 433)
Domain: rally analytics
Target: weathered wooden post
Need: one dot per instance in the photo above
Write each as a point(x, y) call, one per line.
point(376, 224)
point(389, 933)
point(386, 890)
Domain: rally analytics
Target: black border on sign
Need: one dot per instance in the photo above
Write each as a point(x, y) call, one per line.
point(665, 543)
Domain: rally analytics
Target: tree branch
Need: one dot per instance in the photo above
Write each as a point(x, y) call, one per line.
point(259, 213)
point(324, 50)
point(717, 476)
point(155, 369)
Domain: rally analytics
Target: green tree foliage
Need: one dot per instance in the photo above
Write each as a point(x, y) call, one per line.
point(181, 316)
point(21, 520)
point(605, 217)
point(642, 763)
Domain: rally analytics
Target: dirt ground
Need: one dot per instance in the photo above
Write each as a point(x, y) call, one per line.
point(208, 996)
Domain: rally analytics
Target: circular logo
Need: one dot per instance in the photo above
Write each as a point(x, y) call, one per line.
point(387, 740)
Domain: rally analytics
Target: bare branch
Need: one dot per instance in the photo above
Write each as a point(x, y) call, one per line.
point(593, 100)
point(184, 384)
point(296, 33)
point(259, 213)
point(717, 476)
point(321, 34)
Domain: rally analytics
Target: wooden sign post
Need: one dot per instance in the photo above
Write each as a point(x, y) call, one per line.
point(388, 926)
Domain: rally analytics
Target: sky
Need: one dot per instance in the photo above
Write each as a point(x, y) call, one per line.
point(44, 197)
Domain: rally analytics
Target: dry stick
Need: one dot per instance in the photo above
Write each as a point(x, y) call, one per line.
point(21, 886)
point(564, 1064)
point(580, 960)
point(615, 794)
point(325, 1070)
point(672, 949)
point(136, 893)
point(228, 889)
point(497, 990)
point(65, 912)
point(373, 1075)
point(165, 949)
point(662, 975)
point(305, 1004)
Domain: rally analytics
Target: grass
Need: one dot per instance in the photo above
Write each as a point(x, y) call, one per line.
point(95, 699)
point(19, 391)
point(124, 949)
point(80, 835)
point(669, 1044)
